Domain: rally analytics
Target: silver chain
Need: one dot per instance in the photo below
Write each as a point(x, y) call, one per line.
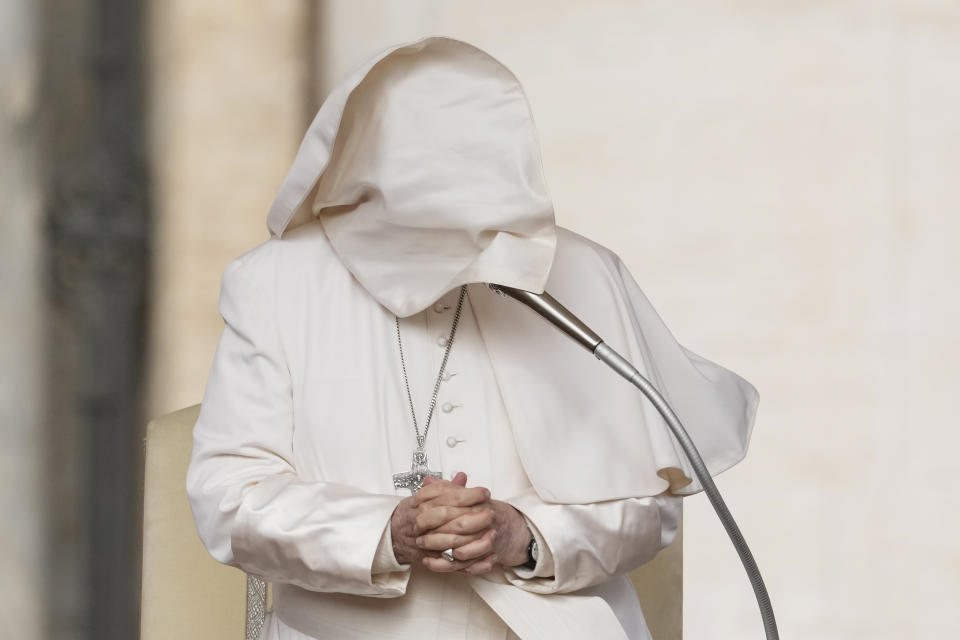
point(436, 387)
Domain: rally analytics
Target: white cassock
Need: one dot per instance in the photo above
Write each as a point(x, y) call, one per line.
point(305, 417)
point(276, 516)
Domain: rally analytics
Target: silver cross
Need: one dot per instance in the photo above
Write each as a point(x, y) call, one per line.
point(413, 479)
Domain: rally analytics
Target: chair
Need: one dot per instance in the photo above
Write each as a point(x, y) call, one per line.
point(185, 593)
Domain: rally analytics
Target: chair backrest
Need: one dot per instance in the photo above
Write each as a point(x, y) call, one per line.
point(659, 585)
point(185, 593)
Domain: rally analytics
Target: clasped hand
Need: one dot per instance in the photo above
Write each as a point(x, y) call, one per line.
point(444, 515)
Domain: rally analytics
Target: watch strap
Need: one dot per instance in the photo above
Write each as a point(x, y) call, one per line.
point(531, 562)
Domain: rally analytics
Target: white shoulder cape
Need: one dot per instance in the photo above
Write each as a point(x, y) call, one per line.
point(423, 168)
point(585, 434)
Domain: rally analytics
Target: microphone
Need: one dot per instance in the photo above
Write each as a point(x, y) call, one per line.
point(559, 316)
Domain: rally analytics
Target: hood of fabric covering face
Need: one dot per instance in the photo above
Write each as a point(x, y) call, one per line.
point(424, 169)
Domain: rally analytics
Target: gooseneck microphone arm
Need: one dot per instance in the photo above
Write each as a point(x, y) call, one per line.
point(545, 305)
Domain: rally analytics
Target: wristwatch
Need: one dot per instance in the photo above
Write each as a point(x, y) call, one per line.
point(533, 552)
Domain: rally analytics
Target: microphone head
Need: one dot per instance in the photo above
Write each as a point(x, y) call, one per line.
point(558, 315)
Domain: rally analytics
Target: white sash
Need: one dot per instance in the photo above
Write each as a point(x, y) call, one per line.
point(533, 616)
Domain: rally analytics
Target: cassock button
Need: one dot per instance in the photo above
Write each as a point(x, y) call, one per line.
point(451, 442)
point(442, 341)
point(447, 407)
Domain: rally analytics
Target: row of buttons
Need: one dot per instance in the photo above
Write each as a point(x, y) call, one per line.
point(447, 407)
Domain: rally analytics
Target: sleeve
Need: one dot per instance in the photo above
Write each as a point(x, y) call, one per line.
point(385, 561)
point(251, 508)
point(586, 544)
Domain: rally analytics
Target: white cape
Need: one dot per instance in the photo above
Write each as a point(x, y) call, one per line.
point(424, 169)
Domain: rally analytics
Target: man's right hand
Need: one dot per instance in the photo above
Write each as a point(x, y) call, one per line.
point(436, 504)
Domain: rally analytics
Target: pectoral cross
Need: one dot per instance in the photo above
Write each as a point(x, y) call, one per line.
point(413, 479)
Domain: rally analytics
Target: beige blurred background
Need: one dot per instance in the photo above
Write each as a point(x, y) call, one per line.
point(782, 178)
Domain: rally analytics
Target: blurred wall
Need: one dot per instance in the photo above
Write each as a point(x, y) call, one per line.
point(781, 180)
point(21, 314)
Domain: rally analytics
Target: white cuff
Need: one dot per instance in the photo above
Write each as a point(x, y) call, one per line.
point(544, 567)
point(385, 561)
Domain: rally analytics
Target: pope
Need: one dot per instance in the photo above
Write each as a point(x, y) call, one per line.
point(400, 451)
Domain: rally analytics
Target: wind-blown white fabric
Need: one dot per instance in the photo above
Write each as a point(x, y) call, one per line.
point(424, 168)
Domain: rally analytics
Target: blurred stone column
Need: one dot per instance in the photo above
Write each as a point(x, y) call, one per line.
point(21, 353)
point(230, 101)
point(97, 229)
